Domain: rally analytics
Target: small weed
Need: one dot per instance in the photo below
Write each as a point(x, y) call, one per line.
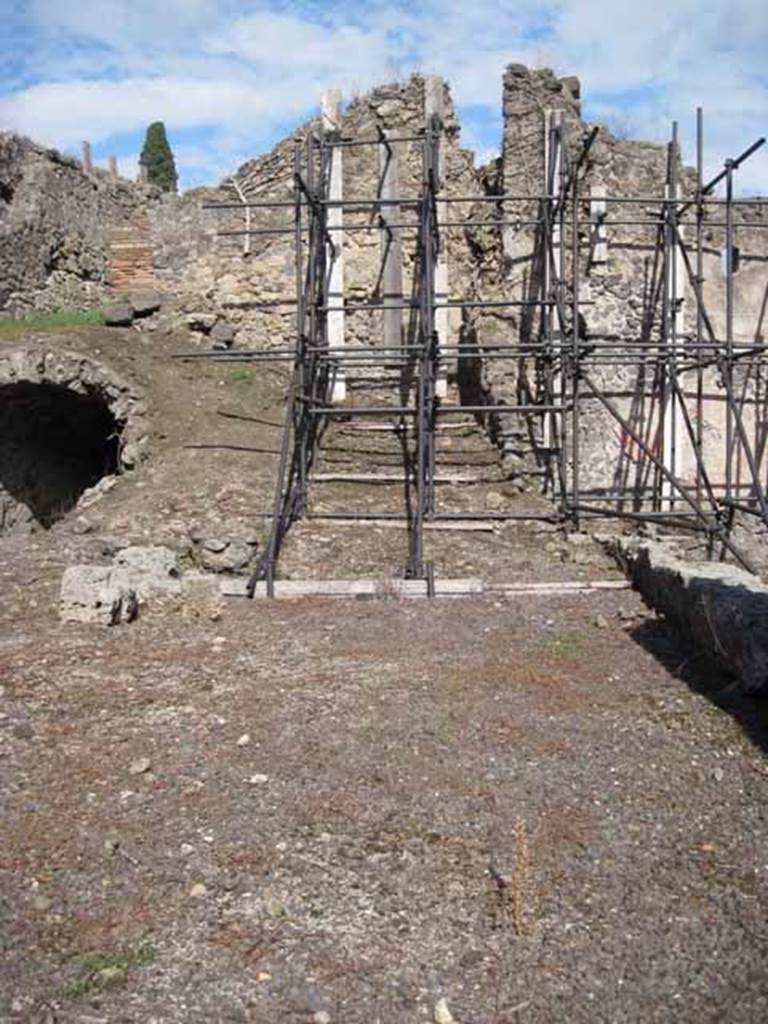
point(145, 954)
point(243, 376)
point(522, 911)
point(515, 906)
point(53, 321)
point(560, 643)
point(100, 971)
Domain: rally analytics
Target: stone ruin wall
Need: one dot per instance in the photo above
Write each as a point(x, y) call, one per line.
point(613, 291)
point(54, 228)
point(214, 272)
point(55, 220)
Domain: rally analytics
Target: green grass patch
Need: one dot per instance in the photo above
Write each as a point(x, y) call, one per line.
point(53, 321)
point(242, 376)
point(100, 970)
point(567, 642)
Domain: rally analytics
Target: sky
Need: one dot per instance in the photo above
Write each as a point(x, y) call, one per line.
point(231, 77)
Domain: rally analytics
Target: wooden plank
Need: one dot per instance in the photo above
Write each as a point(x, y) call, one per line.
point(389, 478)
point(386, 588)
point(454, 525)
point(557, 587)
point(331, 117)
point(389, 428)
point(391, 247)
point(399, 588)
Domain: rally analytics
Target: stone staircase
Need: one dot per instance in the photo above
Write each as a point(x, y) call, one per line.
point(131, 257)
point(361, 488)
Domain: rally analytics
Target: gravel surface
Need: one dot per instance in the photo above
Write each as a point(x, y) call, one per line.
point(528, 808)
point(479, 810)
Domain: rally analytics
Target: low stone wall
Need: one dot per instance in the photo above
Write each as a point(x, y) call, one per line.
point(720, 609)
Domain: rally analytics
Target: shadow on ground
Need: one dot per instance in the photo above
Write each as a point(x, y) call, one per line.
point(678, 657)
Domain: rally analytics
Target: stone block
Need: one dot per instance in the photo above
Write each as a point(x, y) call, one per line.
point(202, 596)
point(222, 335)
point(119, 315)
point(149, 570)
point(145, 303)
point(721, 609)
point(97, 594)
point(202, 322)
point(221, 554)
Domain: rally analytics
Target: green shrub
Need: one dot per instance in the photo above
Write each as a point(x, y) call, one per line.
point(157, 157)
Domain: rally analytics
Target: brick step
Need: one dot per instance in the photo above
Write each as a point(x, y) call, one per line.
point(131, 256)
point(133, 280)
point(130, 247)
point(129, 238)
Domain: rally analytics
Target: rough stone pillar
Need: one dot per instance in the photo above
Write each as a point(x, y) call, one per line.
point(597, 210)
point(87, 161)
point(434, 106)
point(330, 109)
point(143, 173)
point(112, 166)
point(525, 95)
point(391, 249)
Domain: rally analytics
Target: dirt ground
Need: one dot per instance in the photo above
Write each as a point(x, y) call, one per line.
point(537, 809)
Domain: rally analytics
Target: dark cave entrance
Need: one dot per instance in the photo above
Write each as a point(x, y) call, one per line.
point(54, 444)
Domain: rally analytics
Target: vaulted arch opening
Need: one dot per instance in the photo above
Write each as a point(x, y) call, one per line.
point(55, 443)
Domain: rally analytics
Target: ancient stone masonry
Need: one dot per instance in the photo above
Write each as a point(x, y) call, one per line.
point(581, 319)
point(721, 610)
point(68, 425)
point(230, 278)
point(55, 221)
point(622, 291)
point(568, 265)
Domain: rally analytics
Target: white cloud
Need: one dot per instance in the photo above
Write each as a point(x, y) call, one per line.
point(63, 113)
point(246, 67)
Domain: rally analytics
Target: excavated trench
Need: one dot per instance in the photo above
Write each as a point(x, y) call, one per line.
point(55, 443)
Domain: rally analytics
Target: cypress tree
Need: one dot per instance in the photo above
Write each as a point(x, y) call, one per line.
point(157, 157)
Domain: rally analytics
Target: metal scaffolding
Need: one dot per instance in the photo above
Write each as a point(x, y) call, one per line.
point(665, 471)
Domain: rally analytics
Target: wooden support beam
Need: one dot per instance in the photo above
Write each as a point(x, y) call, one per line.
point(330, 106)
point(452, 526)
point(434, 106)
point(470, 586)
point(386, 478)
point(391, 246)
point(553, 270)
point(673, 440)
point(386, 588)
point(391, 428)
point(597, 213)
